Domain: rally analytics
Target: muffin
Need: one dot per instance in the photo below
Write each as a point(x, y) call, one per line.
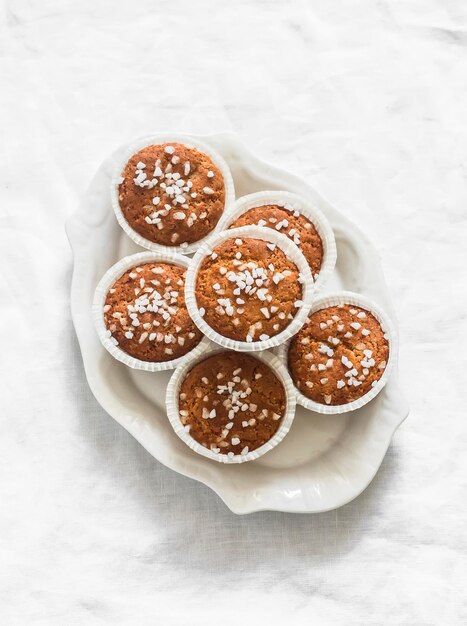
point(231, 403)
point(291, 223)
point(248, 289)
point(339, 355)
point(145, 313)
point(171, 194)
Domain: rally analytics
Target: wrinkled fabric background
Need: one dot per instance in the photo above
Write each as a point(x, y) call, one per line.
point(366, 100)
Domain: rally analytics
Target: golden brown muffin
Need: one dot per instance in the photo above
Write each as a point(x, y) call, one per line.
point(291, 223)
point(171, 194)
point(248, 290)
point(231, 403)
point(338, 355)
point(146, 316)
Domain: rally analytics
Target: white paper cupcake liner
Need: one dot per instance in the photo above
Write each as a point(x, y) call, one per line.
point(297, 203)
point(388, 327)
point(291, 251)
point(190, 142)
point(172, 405)
point(100, 295)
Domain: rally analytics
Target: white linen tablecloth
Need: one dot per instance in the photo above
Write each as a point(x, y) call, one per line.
point(366, 100)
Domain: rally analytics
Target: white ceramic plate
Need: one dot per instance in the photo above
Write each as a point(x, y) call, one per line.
point(326, 460)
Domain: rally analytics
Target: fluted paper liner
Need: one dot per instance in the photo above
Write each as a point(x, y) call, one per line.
point(172, 403)
point(190, 142)
point(349, 297)
point(290, 250)
point(293, 202)
point(106, 282)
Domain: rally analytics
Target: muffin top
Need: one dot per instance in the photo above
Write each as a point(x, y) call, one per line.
point(231, 403)
point(171, 194)
point(146, 316)
point(338, 355)
point(248, 290)
point(296, 226)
